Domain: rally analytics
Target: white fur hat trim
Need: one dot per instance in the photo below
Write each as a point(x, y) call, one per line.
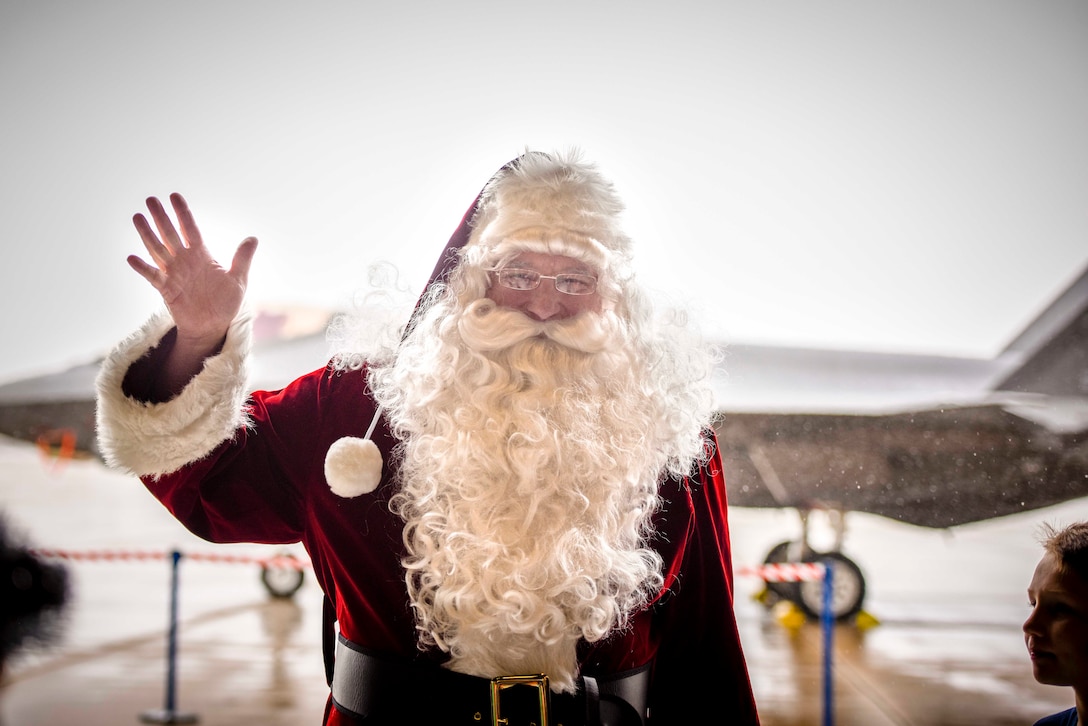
point(353, 466)
point(553, 200)
point(550, 241)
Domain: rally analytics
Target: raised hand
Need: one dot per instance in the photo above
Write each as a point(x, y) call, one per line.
point(202, 296)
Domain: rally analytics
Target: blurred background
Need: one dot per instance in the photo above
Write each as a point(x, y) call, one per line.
point(905, 177)
point(899, 179)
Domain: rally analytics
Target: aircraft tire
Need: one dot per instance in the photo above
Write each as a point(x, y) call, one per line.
point(848, 583)
point(782, 590)
point(282, 582)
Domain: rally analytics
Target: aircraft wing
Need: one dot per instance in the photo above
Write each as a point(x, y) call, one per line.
point(56, 410)
point(932, 468)
point(926, 440)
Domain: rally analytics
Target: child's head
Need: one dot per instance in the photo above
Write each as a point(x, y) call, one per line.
point(1056, 632)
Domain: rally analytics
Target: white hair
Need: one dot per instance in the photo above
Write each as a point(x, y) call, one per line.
point(532, 453)
point(529, 475)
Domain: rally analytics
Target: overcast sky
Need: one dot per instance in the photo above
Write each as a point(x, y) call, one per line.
point(889, 176)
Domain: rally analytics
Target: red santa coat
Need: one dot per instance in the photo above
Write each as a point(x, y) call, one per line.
point(239, 467)
point(267, 485)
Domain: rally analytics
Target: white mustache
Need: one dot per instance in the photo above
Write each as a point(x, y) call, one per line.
point(485, 326)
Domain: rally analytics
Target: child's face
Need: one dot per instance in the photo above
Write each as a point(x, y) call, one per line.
point(1056, 632)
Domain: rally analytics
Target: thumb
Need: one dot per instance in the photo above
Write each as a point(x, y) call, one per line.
point(243, 258)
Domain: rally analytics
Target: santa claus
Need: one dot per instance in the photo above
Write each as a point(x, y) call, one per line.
point(517, 513)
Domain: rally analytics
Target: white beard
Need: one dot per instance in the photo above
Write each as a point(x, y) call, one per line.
point(529, 478)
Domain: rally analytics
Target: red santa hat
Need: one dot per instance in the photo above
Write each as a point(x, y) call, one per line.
point(551, 203)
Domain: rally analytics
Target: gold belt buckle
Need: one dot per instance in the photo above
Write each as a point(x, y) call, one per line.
point(500, 684)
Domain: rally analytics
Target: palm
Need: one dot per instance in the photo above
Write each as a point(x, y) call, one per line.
point(202, 296)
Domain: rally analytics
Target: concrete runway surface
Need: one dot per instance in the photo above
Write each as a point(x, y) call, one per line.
point(946, 650)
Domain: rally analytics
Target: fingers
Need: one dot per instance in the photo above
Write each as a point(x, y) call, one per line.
point(243, 258)
point(189, 231)
point(148, 272)
point(167, 242)
point(168, 249)
point(151, 241)
point(167, 233)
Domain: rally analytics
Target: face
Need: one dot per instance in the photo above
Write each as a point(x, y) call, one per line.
point(1056, 632)
point(545, 302)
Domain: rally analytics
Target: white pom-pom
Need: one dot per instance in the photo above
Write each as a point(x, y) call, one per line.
point(353, 466)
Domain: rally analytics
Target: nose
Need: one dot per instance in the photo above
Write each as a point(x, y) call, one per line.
point(546, 303)
point(1031, 625)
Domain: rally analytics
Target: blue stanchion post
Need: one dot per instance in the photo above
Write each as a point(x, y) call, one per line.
point(169, 712)
point(828, 621)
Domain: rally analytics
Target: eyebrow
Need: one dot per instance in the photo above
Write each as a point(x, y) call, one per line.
point(577, 267)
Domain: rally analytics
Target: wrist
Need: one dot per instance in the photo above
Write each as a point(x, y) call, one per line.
point(207, 343)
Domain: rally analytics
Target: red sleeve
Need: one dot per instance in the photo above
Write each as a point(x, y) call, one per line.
point(253, 488)
point(700, 674)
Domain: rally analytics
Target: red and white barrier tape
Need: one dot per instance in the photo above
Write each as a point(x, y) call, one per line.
point(786, 571)
point(776, 572)
point(274, 562)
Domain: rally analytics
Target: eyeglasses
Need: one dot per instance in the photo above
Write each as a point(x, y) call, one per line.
point(569, 283)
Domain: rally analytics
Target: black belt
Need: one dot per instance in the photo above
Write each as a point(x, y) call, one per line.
point(378, 690)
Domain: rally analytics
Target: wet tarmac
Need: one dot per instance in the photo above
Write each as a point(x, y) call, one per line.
point(943, 646)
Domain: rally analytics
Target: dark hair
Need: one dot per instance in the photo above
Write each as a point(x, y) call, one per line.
point(33, 594)
point(1070, 545)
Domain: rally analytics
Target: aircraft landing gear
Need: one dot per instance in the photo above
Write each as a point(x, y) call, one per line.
point(848, 581)
point(847, 588)
point(282, 580)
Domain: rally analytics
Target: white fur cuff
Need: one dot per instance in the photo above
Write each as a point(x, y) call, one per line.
point(152, 439)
